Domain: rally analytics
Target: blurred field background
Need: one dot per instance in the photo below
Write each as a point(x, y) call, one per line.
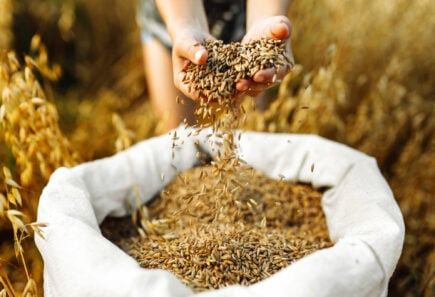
point(366, 72)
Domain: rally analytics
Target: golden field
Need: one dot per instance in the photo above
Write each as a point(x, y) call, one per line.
point(75, 91)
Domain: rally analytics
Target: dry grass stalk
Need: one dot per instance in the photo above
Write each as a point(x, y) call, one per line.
point(29, 120)
point(125, 136)
point(9, 205)
point(29, 123)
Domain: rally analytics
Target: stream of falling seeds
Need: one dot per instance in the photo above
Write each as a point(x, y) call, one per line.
point(225, 223)
point(215, 81)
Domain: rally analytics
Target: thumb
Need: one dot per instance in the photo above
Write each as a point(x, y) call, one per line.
point(190, 48)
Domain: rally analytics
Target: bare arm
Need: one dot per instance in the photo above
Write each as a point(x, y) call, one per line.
point(187, 25)
point(257, 10)
point(180, 15)
point(266, 19)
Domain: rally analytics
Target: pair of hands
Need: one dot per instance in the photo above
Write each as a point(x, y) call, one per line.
point(187, 49)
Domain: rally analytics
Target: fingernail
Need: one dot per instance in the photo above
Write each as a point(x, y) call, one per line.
point(260, 78)
point(198, 56)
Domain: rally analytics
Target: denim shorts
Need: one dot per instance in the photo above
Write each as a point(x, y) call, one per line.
point(226, 19)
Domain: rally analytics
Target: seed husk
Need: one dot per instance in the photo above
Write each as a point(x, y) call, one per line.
point(238, 236)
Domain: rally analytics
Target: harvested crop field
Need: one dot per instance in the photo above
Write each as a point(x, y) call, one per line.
point(364, 76)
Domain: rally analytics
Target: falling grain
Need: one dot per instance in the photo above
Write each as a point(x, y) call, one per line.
point(240, 235)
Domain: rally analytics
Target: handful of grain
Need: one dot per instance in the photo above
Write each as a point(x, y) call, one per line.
point(228, 63)
point(211, 237)
point(216, 83)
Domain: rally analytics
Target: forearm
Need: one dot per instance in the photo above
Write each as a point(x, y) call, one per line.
point(182, 14)
point(259, 9)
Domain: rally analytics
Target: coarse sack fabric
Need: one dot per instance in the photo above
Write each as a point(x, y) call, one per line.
point(363, 218)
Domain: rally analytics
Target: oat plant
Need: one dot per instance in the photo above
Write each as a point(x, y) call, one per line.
point(10, 204)
point(35, 147)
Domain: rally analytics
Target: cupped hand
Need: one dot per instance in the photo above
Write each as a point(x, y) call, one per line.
point(276, 27)
point(188, 48)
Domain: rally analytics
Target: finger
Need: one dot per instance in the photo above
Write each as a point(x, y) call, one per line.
point(251, 87)
point(271, 75)
point(241, 95)
point(242, 85)
point(280, 29)
point(194, 52)
point(189, 47)
point(277, 27)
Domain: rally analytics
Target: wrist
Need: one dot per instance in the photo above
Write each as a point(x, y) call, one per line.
point(192, 26)
point(258, 10)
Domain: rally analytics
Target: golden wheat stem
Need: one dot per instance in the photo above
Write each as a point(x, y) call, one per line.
point(6, 283)
point(23, 260)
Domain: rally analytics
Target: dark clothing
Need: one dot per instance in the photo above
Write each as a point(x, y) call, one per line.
point(226, 19)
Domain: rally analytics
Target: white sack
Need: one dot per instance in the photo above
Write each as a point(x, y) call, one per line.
point(363, 219)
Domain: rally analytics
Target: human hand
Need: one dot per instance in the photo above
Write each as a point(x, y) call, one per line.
point(188, 48)
point(276, 27)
